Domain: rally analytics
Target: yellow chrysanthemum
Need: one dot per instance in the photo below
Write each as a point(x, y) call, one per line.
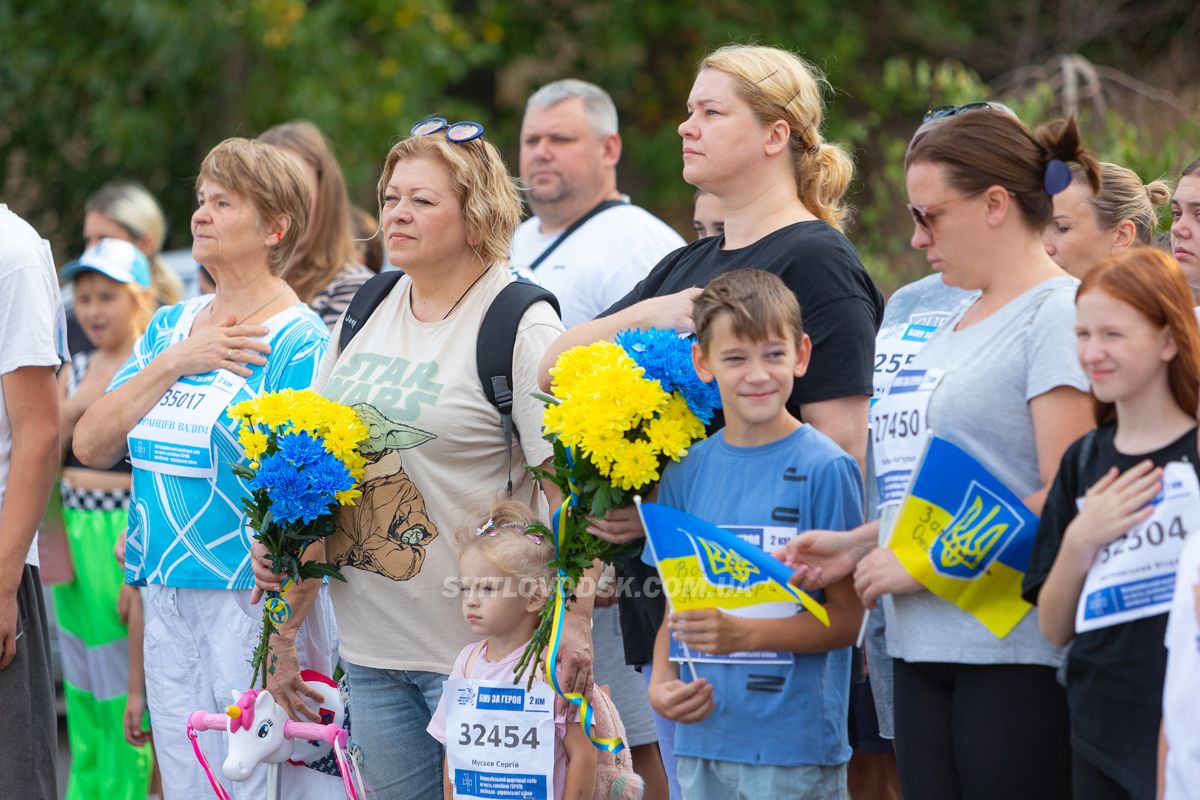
point(601, 447)
point(274, 409)
point(677, 410)
point(243, 411)
point(668, 436)
point(589, 366)
point(348, 497)
point(253, 442)
point(357, 465)
point(635, 465)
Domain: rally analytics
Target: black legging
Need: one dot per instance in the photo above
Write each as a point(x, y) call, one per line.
point(1093, 784)
point(981, 731)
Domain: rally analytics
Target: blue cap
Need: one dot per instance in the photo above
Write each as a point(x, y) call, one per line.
point(113, 258)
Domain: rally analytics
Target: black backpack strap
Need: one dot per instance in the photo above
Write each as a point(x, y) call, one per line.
point(494, 349)
point(603, 205)
point(363, 304)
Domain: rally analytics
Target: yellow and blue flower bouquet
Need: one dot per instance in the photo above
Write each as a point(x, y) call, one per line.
point(305, 462)
point(619, 412)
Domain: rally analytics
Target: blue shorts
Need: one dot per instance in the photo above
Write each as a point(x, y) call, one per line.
point(707, 779)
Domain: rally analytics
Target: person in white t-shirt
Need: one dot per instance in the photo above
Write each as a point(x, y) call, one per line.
point(32, 347)
point(1179, 743)
point(585, 241)
point(590, 246)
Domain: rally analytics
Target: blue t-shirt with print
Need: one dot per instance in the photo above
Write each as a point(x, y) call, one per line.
point(191, 531)
point(773, 714)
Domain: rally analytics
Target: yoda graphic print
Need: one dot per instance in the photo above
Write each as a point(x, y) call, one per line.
point(370, 538)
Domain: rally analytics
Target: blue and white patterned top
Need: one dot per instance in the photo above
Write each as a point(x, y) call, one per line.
point(192, 531)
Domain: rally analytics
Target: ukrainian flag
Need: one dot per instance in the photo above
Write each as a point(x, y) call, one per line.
point(966, 537)
point(703, 566)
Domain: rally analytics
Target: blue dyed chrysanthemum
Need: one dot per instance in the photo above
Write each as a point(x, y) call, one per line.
point(667, 358)
point(301, 449)
point(301, 478)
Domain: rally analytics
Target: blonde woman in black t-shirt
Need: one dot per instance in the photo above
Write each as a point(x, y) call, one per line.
point(752, 138)
point(1101, 575)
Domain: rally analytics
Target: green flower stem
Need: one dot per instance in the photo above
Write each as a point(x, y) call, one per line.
point(259, 659)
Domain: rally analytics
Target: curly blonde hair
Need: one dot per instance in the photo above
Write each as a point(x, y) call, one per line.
point(513, 538)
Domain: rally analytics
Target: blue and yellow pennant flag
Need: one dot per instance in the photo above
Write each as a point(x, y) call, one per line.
point(966, 537)
point(703, 566)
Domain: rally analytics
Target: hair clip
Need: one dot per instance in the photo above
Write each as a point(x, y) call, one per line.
point(1057, 177)
point(534, 530)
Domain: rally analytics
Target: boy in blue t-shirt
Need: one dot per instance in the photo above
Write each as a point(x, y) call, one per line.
point(774, 723)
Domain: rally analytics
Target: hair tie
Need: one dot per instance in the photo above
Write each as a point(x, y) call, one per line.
point(1057, 177)
point(814, 150)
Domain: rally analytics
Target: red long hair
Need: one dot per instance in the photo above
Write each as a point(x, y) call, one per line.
point(1152, 282)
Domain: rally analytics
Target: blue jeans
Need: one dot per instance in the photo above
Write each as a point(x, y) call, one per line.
point(389, 711)
point(707, 779)
point(666, 743)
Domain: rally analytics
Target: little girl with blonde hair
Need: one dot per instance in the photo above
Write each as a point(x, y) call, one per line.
point(504, 585)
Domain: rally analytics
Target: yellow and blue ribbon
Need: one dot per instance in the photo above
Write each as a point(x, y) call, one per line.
point(586, 714)
point(280, 610)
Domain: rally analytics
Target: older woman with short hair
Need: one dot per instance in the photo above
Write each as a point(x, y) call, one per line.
point(189, 541)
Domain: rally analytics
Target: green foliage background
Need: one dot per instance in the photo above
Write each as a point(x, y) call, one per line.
point(141, 89)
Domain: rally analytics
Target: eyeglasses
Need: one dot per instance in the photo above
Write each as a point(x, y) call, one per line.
point(924, 216)
point(941, 112)
point(458, 132)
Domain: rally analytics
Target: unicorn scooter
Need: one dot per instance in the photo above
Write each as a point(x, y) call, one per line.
point(259, 732)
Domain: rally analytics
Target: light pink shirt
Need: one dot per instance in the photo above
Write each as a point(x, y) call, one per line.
point(502, 670)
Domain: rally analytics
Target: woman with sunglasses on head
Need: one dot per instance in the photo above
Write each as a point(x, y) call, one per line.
point(323, 270)
point(189, 539)
point(1116, 518)
point(437, 451)
point(1089, 226)
point(977, 716)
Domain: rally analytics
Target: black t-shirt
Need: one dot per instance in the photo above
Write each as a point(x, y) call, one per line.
point(841, 306)
point(1114, 674)
point(842, 309)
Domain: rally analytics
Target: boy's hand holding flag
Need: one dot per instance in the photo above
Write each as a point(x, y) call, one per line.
point(705, 567)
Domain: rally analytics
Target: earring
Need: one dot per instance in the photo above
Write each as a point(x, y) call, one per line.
point(279, 236)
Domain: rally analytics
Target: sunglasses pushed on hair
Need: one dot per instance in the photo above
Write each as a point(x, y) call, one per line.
point(941, 112)
point(457, 132)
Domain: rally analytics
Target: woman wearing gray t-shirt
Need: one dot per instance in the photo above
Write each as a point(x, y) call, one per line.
point(979, 716)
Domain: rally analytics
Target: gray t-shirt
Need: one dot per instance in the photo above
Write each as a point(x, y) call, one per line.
point(992, 370)
point(912, 315)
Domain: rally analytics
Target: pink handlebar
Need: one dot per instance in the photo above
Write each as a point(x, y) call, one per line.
point(205, 721)
point(311, 731)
